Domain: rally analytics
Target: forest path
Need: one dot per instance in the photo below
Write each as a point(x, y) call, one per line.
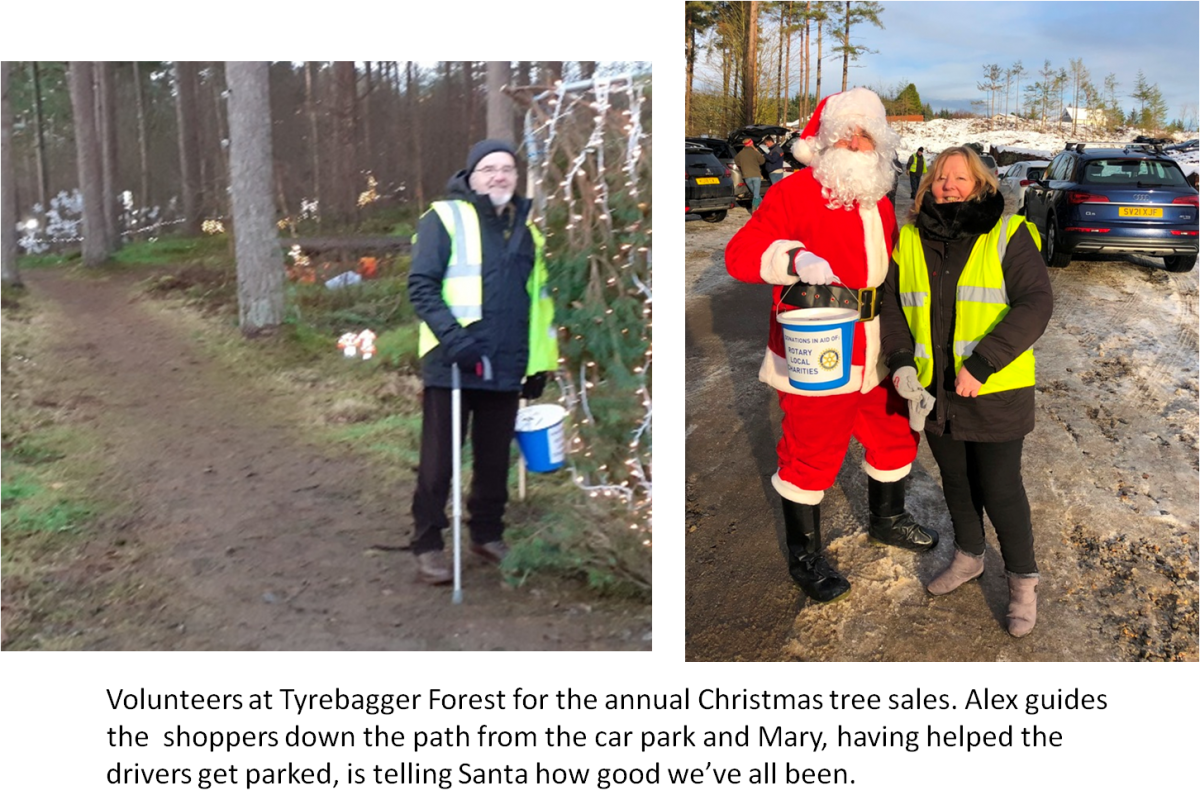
point(266, 542)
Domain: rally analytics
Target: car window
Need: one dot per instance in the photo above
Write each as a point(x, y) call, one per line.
point(1059, 167)
point(1034, 174)
point(703, 161)
point(1125, 171)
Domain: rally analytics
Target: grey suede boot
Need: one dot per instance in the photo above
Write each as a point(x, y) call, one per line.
point(963, 568)
point(1022, 604)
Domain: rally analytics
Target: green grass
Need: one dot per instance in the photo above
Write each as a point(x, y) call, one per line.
point(395, 438)
point(175, 250)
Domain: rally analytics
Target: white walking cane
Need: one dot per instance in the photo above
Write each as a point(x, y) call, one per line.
point(456, 446)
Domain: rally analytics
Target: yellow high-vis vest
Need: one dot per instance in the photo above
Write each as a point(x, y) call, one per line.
point(462, 287)
point(981, 302)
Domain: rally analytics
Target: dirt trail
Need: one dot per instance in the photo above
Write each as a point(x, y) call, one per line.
point(266, 542)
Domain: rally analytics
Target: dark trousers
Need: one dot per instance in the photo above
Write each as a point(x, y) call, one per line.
point(980, 477)
point(914, 180)
point(490, 417)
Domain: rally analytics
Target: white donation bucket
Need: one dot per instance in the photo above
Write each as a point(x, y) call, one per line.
point(818, 344)
point(540, 436)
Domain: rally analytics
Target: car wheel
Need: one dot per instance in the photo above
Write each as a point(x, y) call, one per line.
point(714, 216)
point(1179, 263)
point(1053, 252)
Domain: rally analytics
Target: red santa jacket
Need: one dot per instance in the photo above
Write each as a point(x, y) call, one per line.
point(857, 242)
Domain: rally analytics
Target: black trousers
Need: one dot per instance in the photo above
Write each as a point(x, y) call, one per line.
point(980, 477)
point(490, 417)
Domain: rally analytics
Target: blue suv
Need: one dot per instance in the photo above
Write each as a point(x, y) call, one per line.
point(1115, 198)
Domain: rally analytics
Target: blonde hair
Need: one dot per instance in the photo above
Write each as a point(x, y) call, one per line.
point(985, 181)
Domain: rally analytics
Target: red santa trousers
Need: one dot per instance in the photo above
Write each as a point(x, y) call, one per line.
point(817, 431)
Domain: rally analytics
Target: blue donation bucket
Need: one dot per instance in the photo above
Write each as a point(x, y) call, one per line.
point(540, 436)
point(818, 344)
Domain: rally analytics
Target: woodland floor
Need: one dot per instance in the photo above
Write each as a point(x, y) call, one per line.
point(233, 532)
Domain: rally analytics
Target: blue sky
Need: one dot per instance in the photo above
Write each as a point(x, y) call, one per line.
point(942, 46)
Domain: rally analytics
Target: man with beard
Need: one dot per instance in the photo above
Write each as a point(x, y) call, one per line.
point(478, 282)
point(831, 229)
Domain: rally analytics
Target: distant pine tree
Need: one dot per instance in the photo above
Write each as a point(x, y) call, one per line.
point(908, 102)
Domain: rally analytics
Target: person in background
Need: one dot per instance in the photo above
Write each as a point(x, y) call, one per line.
point(966, 297)
point(478, 282)
point(916, 170)
point(750, 161)
point(773, 164)
point(825, 224)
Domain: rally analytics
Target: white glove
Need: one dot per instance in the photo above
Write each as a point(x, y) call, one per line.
point(813, 269)
point(920, 402)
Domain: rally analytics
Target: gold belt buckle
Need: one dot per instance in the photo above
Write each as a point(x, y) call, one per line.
point(869, 313)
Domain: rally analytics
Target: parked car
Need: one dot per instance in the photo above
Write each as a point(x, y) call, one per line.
point(709, 189)
point(990, 163)
point(1016, 179)
point(1115, 198)
point(756, 133)
point(725, 153)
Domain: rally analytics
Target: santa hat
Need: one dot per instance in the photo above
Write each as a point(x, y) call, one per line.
point(857, 107)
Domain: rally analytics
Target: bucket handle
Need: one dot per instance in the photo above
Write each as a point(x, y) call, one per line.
point(784, 293)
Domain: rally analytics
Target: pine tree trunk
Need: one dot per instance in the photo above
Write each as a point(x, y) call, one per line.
point(313, 139)
point(143, 145)
point(106, 114)
point(259, 264)
point(8, 188)
point(415, 128)
point(91, 175)
point(188, 118)
point(750, 64)
point(43, 179)
point(499, 105)
point(341, 201)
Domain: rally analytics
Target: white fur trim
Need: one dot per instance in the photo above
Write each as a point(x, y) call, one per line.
point(803, 150)
point(774, 264)
point(875, 244)
point(791, 491)
point(857, 103)
point(886, 475)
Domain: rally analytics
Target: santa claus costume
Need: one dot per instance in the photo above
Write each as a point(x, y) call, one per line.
point(830, 229)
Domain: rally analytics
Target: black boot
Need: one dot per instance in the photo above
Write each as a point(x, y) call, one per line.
point(890, 523)
point(809, 569)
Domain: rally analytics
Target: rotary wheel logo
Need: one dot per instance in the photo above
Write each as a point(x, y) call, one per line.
point(829, 359)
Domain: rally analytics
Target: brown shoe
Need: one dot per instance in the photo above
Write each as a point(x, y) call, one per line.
point(492, 552)
point(1022, 604)
point(432, 568)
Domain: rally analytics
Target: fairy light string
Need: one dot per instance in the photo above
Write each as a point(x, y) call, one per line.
point(589, 170)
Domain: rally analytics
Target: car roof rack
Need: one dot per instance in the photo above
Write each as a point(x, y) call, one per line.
point(1080, 147)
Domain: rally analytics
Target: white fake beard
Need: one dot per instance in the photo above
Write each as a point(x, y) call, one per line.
point(500, 200)
point(850, 177)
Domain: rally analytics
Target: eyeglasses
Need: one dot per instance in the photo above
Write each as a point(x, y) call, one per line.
point(490, 171)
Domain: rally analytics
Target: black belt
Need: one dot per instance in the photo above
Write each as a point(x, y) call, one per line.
point(807, 295)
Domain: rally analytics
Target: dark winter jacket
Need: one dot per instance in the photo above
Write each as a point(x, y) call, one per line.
point(948, 233)
point(774, 160)
point(503, 330)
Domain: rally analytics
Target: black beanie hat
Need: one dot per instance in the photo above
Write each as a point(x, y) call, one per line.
point(486, 148)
